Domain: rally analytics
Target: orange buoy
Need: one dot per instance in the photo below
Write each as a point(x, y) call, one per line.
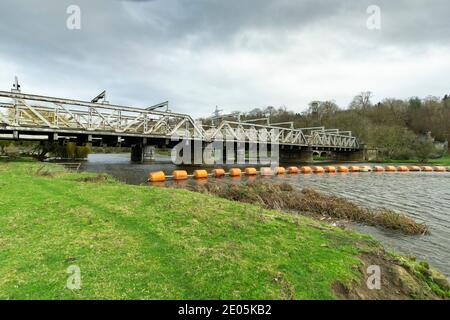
point(439, 169)
point(158, 176)
point(318, 169)
point(266, 171)
point(414, 168)
point(354, 169)
point(280, 170)
point(427, 169)
point(179, 175)
point(402, 169)
point(330, 169)
point(235, 172)
point(305, 170)
point(250, 172)
point(218, 173)
point(200, 174)
point(378, 169)
point(390, 169)
point(342, 169)
point(293, 170)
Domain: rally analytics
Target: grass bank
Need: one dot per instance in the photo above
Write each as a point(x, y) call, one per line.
point(443, 161)
point(133, 242)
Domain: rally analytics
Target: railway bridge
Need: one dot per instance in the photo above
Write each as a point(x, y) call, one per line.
point(50, 119)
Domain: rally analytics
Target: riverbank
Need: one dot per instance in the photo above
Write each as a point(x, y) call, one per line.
point(140, 242)
point(311, 203)
point(442, 161)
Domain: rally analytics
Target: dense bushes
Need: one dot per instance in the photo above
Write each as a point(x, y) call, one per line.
point(65, 151)
point(71, 151)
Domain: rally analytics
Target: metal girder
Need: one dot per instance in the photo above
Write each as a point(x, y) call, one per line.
point(40, 113)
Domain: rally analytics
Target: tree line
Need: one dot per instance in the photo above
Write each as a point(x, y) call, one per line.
point(399, 129)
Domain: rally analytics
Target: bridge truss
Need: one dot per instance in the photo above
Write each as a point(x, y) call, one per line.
point(27, 113)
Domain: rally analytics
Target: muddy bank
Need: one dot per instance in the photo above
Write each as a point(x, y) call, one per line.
point(400, 279)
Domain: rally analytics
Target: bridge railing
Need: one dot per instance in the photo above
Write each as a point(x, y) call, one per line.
point(25, 112)
point(242, 131)
point(325, 139)
point(28, 111)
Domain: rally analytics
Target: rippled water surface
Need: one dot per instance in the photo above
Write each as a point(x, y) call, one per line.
point(422, 196)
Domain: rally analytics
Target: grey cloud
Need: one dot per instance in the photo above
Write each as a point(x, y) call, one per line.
point(206, 52)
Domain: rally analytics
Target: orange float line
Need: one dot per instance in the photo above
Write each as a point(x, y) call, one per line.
point(330, 169)
point(179, 175)
point(292, 170)
point(235, 172)
point(342, 169)
point(318, 169)
point(390, 169)
point(266, 171)
point(158, 176)
point(306, 170)
point(217, 173)
point(200, 174)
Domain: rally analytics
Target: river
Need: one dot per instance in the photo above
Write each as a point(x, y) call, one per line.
point(423, 196)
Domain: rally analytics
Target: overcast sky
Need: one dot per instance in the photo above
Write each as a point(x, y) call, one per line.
point(238, 54)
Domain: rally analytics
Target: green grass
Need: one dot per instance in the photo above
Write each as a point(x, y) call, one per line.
point(150, 242)
point(444, 161)
point(134, 242)
point(395, 161)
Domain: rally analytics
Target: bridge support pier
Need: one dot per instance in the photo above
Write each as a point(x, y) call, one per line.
point(141, 153)
point(288, 155)
point(348, 156)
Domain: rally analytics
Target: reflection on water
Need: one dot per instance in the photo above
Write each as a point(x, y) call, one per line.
point(422, 196)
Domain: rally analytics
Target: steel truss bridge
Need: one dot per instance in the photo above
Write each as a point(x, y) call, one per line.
point(27, 115)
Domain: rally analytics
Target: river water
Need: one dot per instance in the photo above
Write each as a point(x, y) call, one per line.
point(423, 196)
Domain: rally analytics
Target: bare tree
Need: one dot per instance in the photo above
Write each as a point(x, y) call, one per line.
point(361, 101)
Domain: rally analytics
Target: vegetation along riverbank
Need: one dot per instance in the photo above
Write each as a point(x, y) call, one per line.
point(144, 242)
point(315, 204)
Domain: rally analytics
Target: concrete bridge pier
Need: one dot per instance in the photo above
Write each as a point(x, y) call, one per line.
point(142, 151)
point(348, 156)
point(295, 155)
point(137, 152)
point(239, 153)
point(213, 154)
point(229, 153)
point(84, 140)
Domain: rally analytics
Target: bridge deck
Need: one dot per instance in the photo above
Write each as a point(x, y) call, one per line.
point(34, 114)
